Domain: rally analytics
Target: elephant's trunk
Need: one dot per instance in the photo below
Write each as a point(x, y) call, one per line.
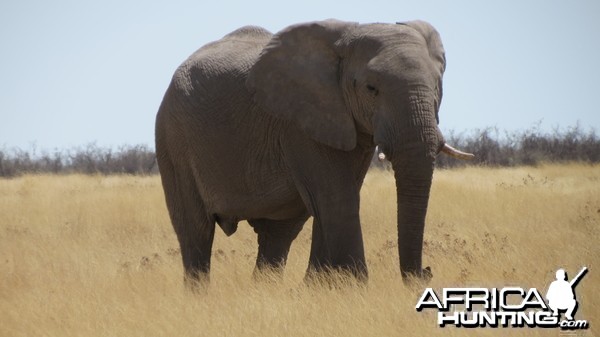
point(413, 182)
point(407, 134)
point(413, 168)
point(412, 148)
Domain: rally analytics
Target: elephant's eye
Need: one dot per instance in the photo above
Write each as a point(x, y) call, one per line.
point(372, 89)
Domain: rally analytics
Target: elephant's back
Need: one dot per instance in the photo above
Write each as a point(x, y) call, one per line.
point(208, 94)
point(219, 65)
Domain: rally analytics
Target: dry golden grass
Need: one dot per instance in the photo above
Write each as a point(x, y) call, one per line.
point(96, 256)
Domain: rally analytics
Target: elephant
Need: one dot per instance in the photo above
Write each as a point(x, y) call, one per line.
point(276, 128)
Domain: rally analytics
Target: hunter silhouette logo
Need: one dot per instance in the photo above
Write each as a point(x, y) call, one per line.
point(561, 294)
point(508, 306)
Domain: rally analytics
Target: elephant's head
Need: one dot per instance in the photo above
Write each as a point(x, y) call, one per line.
point(337, 79)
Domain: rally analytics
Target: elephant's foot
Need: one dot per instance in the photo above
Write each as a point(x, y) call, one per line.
point(197, 282)
point(412, 279)
point(336, 277)
point(196, 256)
point(268, 273)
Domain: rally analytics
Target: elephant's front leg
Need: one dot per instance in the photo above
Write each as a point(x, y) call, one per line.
point(329, 182)
point(274, 240)
point(337, 243)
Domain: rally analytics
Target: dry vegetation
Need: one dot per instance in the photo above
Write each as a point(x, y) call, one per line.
point(96, 256)
point(491, 147)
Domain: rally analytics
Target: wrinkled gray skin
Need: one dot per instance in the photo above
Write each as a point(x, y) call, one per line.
point(276, 128)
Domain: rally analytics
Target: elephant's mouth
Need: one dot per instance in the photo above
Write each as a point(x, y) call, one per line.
point(446, 149)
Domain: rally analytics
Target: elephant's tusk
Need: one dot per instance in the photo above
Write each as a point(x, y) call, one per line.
point(380, 154)
point(452, 152)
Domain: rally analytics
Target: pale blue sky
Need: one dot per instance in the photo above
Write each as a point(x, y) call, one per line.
point(73, 72)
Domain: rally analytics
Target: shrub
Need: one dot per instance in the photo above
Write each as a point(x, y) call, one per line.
point(490, 146)
point(91, 159)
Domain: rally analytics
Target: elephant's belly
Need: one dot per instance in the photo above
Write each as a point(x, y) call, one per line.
point(270, 201)
point(240, 169)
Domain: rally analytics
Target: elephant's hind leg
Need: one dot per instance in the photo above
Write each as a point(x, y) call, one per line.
point(195, 229)
point(274, 240)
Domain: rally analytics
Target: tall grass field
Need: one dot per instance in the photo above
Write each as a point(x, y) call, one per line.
point(96, 256)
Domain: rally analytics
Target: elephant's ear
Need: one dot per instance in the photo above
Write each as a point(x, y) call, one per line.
point(436, 53)
point(434, 43)
point(296, 78)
